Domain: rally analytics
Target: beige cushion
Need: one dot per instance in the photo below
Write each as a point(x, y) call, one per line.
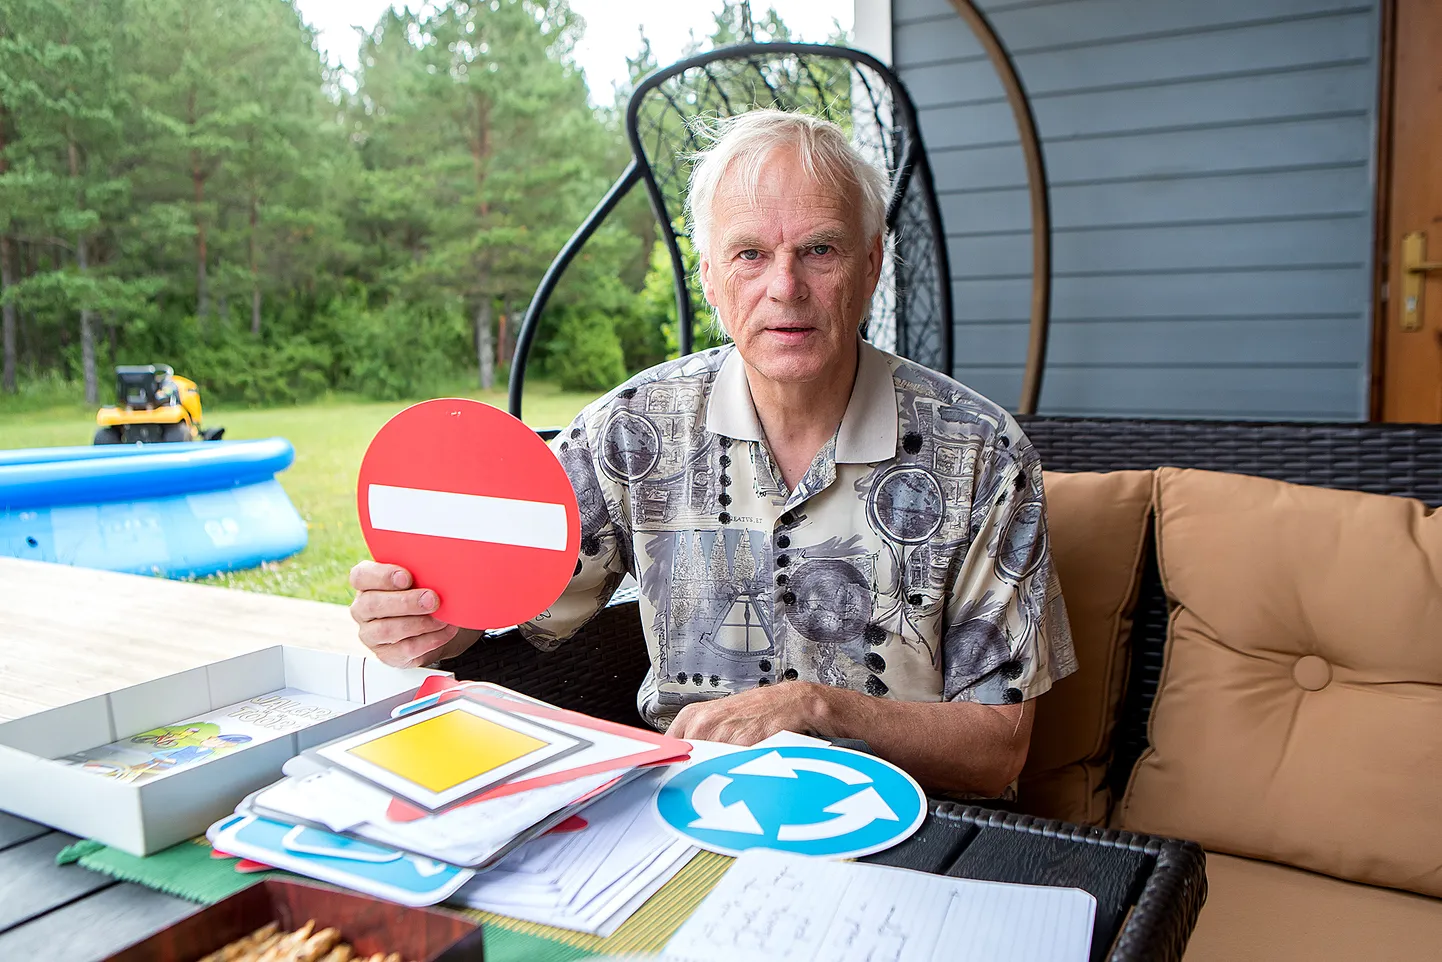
point(1096, 529)
point(1259, 911)
point(1299, 717)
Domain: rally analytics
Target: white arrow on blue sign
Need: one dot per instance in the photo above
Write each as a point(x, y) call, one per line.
point(830, 802)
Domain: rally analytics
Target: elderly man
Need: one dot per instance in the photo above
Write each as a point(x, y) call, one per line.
point(828, 538)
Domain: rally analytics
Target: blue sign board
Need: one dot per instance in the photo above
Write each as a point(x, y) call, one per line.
point(364, 866)
point(831, 802)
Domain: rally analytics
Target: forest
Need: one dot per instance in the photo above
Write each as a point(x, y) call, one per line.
point(189, 182)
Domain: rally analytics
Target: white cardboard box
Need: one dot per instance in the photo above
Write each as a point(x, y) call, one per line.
point(148, 817)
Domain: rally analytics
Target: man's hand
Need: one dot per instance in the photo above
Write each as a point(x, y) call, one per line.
point(951, 746)
point(748, 717)
point(395, 619)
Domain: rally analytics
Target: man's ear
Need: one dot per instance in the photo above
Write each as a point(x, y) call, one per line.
point(705, 272)
point(874, 257)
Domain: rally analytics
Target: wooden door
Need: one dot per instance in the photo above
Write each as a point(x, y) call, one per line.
point(1407, 380)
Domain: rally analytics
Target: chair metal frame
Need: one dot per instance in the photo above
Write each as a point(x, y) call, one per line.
point(912, 170)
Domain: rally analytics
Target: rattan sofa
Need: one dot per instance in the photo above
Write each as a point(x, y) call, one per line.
point(1259, 906)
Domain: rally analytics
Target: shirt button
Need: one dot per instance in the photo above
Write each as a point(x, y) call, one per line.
point(788, 519)
point(781, 580)
point(783, 560)
point(789, 598)
point(782, 541)
point(724, 517)
point(790, 674)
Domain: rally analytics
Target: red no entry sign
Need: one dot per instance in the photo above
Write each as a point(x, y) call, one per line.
point(474, 504)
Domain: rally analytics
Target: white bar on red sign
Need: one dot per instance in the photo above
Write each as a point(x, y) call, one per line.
point(471, 517)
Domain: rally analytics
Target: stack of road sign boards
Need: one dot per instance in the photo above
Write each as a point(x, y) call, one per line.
point(412, 808)
point(478, 795)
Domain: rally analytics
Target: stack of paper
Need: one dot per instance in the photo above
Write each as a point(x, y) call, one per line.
point(412, 808)
point(590, 880)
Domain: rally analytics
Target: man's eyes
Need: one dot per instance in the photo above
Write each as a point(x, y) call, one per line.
point(818, 250)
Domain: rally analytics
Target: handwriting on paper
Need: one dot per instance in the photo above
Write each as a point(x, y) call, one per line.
point(794, 908)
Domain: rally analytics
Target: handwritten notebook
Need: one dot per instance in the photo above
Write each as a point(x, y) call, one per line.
point(792, 908)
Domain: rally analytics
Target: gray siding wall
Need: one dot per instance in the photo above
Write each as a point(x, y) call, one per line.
point(1211, 174)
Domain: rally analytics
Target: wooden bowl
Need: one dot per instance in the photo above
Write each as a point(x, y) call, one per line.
point(370, 925)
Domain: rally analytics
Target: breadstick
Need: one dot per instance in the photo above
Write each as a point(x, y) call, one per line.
point(317, 945)
point(265, 932)
point(230, 950)
point(254, 952)
point(341, 953)
point(284, 949)
point(236, 949)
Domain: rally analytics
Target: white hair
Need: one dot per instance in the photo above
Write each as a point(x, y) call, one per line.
point(745, 141)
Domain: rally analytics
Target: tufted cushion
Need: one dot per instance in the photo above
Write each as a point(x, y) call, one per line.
point(1096, 529)
point(1299, 717)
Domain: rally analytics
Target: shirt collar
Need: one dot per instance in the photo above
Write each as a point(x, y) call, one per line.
point(868, 428)
point(730, 411)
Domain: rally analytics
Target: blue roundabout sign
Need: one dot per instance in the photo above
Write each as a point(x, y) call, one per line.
point(830, 802)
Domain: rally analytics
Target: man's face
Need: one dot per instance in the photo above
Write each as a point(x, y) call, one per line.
point(791, 274)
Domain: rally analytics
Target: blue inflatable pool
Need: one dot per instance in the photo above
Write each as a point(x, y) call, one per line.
point(178, 510)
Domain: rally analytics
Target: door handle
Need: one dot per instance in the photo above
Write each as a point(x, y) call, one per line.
point(1415, 268)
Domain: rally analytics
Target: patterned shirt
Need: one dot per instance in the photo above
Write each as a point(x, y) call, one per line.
point(909, 562)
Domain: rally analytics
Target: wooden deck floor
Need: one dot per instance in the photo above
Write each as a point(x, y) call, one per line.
point(70, 633)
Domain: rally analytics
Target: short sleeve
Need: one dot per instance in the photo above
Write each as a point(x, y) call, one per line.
point(605, 544)
point(1006, 637)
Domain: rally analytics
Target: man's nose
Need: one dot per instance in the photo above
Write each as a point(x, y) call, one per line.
point(787, 283)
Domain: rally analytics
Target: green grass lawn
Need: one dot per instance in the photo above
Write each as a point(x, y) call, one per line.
point(330, 437)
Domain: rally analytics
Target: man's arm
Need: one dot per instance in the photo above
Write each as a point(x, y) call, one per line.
point(957, 747)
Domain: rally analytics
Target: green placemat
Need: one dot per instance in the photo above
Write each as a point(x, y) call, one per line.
point(185, 870)
point(188, 871)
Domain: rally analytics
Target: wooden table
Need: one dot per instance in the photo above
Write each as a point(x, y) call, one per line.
point(65, 913)
point(1148, 890)
point(69, 633)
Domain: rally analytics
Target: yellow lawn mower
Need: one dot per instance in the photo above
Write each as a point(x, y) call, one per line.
point(153, 403)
